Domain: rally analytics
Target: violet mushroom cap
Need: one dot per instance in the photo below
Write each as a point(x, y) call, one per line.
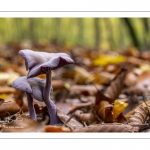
point(34, 89)
point(33, 86)
point(37, 62)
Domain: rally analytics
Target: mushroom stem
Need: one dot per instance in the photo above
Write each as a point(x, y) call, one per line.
point(31, 107)
point(49, 103)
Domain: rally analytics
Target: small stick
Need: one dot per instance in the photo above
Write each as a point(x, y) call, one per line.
point(72, 115)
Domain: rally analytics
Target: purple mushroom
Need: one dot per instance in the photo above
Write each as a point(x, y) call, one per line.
point(42, 63)
point(34, 89)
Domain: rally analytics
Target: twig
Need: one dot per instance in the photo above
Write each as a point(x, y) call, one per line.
point(72, 115)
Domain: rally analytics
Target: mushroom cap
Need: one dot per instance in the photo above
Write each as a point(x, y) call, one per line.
point(38, 62)
point(34, 86)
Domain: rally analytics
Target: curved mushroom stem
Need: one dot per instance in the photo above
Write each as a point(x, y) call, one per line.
point(49, 103)
point(31, 107)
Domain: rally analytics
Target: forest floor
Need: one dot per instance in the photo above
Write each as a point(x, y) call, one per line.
point(104, 91)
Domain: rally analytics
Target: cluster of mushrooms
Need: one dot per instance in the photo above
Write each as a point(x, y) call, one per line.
point(40, 63)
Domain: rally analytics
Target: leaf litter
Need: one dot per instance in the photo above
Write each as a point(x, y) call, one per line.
point(94, 95)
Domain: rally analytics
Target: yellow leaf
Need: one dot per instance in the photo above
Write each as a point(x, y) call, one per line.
point(119, 107)
point(108, 59)
point(3, 96)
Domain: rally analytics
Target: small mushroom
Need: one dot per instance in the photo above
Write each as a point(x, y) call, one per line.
point(42, 63)
point(34, 89)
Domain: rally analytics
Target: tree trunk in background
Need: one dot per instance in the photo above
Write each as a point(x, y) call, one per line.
point(80, 30)
point(110, 34)
point(57, 22)
point(146, 32)
point(97, 32)
point(132, 32)
point(18, 28)
point(31, 29)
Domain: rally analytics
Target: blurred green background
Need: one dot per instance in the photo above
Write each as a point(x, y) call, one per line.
point(103, 33)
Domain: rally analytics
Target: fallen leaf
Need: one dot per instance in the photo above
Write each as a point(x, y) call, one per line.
point(143, 83)
point(7, 90)
point(81, 75)
point(8, 108)
point(81, 89)
point(101, 78)
point(137, 61)
point(139, 117)
point(88, 118)
point(73, 124)
point(116, 86)
point(119, 107)
point(131, 77)
point(106, 127)
point(104, 111)
point(80, 105)
point(108, 59)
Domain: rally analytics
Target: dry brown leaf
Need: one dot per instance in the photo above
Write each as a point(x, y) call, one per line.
point(81, 89)
point(102, 78)
point(139, 116)
point(73, 124)
point(50, 128)
point(100, 96)
point(106, 127)
point(112, 68)
point(87, 118)
point(80, 105)
point(143, 83)
point(131, 77)
point(81, 75)
point(7, 90)
point(116, 86)
point(137, 61)
point(8, 108)
point(58, 85)
point(104, 111)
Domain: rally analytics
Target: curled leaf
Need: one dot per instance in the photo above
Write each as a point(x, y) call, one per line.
point(116, 86)
point(104, 111)
point(139, 116)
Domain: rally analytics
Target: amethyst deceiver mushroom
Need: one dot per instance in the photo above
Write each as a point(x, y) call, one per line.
point(42, 63)
point(34, 89)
